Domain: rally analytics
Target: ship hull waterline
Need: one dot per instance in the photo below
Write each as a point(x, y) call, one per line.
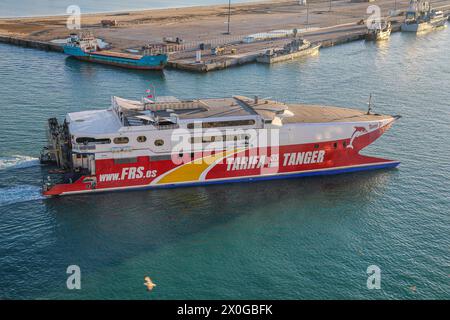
point(291, 56)
point(424, 26)
point(156, 62)
point(390, 164)
point(384, 35)
point(118, 64)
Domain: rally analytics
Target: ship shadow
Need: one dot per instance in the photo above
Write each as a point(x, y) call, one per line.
point(101, 232)
point(142, 221)
point(91, 68)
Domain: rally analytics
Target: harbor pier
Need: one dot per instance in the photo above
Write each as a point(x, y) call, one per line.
point(196, 38)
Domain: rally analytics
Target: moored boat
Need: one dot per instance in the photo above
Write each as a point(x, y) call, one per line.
point(379, 31)
point(420, 17)
point(85, 47)
point(295, 49)
point(172, 143)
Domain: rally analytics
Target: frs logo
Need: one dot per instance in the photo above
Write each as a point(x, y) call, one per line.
point(129, 174)
point(137, 173)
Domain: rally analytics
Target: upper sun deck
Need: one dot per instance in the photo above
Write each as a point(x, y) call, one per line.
point(137, 113)
point(167, 107)
point(171, 113)
point(93, 122)
point(303, 113)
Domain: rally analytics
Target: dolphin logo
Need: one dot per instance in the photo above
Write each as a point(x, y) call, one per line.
point(359, 131)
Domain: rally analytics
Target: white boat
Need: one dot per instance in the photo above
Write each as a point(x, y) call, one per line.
point(295, 49)
point(380, 30)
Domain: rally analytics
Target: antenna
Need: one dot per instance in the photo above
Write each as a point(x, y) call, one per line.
point(150, 94)
point(369, 105)
point(307, 15)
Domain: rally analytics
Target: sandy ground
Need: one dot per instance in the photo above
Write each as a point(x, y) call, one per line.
point(200, 24)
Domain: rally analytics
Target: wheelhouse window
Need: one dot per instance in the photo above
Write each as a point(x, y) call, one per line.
point(220, 124)
point(121, 140)
point(88, 140)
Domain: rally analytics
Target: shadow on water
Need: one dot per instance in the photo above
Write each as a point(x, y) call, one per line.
point(90, 69)
point(137, 221)
point(106, 230)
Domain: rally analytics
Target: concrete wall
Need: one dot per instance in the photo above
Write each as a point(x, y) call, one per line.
point(47, 46)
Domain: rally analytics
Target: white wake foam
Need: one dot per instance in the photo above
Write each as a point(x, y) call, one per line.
point(18, 161)
point(20, 193)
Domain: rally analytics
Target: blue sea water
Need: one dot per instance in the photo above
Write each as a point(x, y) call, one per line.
point(25, 8)
point(287, 239)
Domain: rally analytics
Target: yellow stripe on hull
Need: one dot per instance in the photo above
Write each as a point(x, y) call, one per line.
point(193, 170)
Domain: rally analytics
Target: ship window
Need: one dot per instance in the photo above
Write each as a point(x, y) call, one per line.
point(335, 145)
point(161, 158)
point(87, 140)
point(141, 139)
point(316, 146)
point(159, 143)
point(344, 144)
point(204, 139)
point(209, 139)
point(102, 141)
point(218, 124)
point(125, 160)
point(121, 140)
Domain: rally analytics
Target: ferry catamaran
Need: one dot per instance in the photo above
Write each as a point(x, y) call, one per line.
point(165, 142)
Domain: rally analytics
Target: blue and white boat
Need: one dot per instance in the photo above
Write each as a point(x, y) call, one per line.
point(85, 47)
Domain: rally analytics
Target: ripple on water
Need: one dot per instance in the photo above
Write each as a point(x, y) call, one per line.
point(21, 193)
point(306, 238)
point(18, 162)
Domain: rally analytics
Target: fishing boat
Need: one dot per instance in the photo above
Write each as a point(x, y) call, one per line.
point(295, 49)
point(379, 30)
point(85, 47)
point(166, 142)
point(420, 17)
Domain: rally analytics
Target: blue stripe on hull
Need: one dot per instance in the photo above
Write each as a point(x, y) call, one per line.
point(388, 165)
point(283, 176)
